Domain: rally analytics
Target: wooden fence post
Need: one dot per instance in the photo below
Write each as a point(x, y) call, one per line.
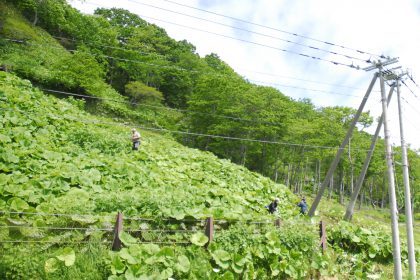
point(116, 244)
point(209, 230)
point(277, 222)
point(323, 236)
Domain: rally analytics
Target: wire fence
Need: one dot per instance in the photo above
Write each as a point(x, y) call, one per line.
point(144, 230)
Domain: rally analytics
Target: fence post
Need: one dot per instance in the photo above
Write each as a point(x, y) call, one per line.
point(277, 222)
point(323, 236)
point(116, 244)
point(209, 230)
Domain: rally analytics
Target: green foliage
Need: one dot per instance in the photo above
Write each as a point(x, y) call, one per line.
point(139, 92)
point(56, 158)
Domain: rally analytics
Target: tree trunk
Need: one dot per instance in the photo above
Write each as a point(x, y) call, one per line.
point(288, 175)
point(384, 188)
point(331, 187)
point(243, 154)
point(342, 175)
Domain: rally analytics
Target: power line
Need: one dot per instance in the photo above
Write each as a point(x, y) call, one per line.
point(299, 79)
point(259, 44)
point(296, 87)
point(203, 134)
point(109, 47)
point(193, 71)
point(276, 29)
point(159, 107)
point(205, 73)
point(411, 106)
point(249, 31)
point(414, 82)
point(253, 43)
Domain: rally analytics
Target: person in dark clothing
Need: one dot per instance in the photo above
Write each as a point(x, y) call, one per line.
point(272, 207)
point(303, 206)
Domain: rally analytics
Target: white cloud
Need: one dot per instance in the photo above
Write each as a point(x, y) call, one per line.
point(377, 26)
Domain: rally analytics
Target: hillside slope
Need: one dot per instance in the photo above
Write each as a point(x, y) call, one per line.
point(50, 148)
point(58, 161)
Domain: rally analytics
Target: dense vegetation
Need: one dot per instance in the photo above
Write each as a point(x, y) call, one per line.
point(116, 53)
point(73, 156)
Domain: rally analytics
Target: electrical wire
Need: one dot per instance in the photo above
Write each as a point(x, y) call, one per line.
point(357, 67)
point(207, 73)
point(315, 90)
point(252, 42)
point(204, 135)
point(204, 73)
point(415, 95)
point(249, 31)
point(109, 47)
point(159, 107)
point(276, 29)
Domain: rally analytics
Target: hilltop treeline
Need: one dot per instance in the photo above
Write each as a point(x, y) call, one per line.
point(148, 78)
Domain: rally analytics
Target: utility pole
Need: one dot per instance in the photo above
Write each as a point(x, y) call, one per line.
point(341, 149)
point(391, 181)
point(407, 195)
point(350, 208)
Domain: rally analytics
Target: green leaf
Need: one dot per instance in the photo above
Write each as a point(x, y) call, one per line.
point(9, 157)
point(66, 255)
point(221, 257)
point(183, 264)
point(51, 265)
point(275, 268)
point(355, 239)
point(238, 263)
point(165, 274)
point(127, 239)
point(18, 204)
point(151, 249)
point(124, 254)
point(4, 178)
point(117, 265)
point(199, 239)
point(228, 276)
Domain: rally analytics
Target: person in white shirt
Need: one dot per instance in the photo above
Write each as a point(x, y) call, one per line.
point(135, 138)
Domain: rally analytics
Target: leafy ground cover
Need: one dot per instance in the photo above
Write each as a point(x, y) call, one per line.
point(58, 159)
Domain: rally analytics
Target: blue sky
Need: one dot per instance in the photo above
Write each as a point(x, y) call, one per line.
point(376, 26)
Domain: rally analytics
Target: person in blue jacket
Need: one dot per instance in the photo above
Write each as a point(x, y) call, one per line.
point(303, 206)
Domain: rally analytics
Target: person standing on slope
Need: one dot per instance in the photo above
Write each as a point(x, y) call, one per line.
point(135, 138)
point(272, 207)
point(303, 206)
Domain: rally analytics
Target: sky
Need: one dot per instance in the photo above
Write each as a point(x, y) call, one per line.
point(267, 53)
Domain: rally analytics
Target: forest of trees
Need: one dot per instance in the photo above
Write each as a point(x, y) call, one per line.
point(167, 85)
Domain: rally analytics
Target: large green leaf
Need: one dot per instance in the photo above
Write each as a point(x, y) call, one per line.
point(51, 265)
point(66, 255)
point(124, 254)
point(199, 239)
point(183, 264)
point(117, 265)
point(127, 239)
point(18, 204)
point(222, 258)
